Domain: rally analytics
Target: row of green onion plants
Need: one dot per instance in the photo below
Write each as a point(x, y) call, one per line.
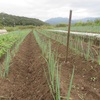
point(11, 50)
point(79, 45)
point(91, 28)
point(51, 57)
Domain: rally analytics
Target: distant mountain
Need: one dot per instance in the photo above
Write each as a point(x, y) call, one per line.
point(11, 20)
point(85, 19)
point(59, 20)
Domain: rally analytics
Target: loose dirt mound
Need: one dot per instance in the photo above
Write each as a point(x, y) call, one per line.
point(26, 80)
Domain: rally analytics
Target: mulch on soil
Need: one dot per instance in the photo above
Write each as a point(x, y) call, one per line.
point(26, 79)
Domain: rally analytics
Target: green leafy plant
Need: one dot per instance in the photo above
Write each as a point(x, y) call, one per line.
point(7, 64)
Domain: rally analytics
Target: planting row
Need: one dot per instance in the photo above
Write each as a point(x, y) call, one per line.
point(9, 45)
point(94, 29)
point(8, 40)
point(54, 68)
point(78, 45)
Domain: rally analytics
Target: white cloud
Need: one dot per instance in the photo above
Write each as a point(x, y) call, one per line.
point(45, 9)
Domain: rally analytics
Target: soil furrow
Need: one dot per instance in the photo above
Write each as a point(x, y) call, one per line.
point(26, 79)
point(86, 83)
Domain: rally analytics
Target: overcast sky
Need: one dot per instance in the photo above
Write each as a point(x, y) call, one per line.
point(45, 9)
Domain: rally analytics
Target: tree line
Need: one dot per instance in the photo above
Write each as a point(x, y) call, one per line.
point(11, 20)
point(80, 23)
point(96, 22)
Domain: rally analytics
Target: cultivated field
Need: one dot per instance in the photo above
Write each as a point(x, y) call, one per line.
point(89, 29)
point(33, 67)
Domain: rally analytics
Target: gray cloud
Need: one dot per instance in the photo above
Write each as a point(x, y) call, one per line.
point(45, 9)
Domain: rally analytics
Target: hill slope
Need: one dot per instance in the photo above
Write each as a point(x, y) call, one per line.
point(11, 20)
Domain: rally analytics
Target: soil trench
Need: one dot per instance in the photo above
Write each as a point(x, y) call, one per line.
point(26, 79)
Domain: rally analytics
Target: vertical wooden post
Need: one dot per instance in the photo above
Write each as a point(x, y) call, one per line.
point(68, 35)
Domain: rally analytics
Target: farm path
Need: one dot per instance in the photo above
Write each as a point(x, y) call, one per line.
point(26, 79)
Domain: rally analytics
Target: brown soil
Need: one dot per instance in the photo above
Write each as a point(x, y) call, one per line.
point(26, 79)
point(86, 84)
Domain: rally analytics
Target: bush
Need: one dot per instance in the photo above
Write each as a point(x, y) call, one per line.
point(1, 27)
point(9, 29)
point(26, 27)
point(61, 25)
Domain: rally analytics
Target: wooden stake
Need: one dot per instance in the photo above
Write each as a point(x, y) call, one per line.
point(68, 35)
